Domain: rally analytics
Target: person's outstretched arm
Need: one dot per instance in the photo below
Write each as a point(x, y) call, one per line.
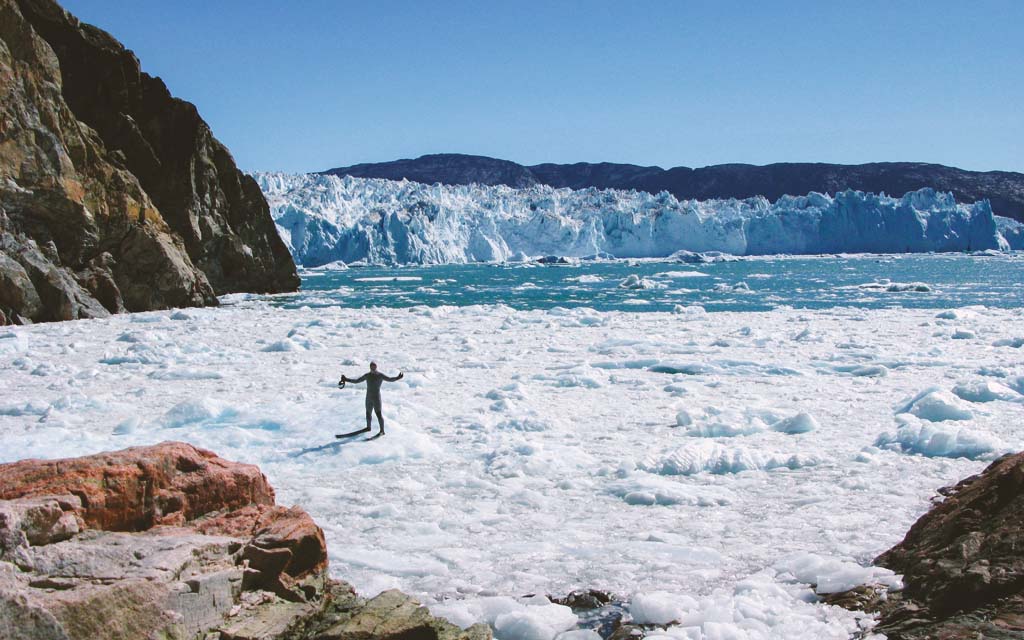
point(354, 380)
point(395, 378)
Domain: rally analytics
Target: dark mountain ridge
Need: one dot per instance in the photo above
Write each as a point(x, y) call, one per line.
point(1004, 189)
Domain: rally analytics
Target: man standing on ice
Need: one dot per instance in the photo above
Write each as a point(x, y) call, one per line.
point(374, 379)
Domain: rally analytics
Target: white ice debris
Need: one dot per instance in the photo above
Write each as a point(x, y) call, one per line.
point(660, 607)
point(633, 281)
point(542, 451)
point(712, 457)
point(986, 391)
point(896, 287)
point(832, 575)
point(936, 405)
point(802, 422)
point(324, 219)
point(940, 440)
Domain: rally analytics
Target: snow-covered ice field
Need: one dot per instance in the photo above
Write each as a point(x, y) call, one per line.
point(706, 467)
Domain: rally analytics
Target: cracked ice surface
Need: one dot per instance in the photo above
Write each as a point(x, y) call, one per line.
point(530, 452)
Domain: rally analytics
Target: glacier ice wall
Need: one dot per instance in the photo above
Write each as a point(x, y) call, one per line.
point(327, 218)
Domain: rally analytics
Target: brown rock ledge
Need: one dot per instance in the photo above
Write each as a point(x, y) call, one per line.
point(170, 541)
point(962, 564)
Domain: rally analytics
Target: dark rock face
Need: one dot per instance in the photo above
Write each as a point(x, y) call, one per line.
point(962, 564)
point(1004, 189)
point(114, 195)
point(171, 541)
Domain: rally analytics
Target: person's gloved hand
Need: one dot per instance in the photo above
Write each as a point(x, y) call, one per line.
point(400, 375)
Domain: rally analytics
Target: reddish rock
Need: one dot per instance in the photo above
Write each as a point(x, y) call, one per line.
point(238, 567)
point(141, 487)
point(274, 529)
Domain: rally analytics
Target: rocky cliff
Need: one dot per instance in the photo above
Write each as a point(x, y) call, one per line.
point(114, 195)
point(1004, 189)
point(170, 541)
point(962, 564)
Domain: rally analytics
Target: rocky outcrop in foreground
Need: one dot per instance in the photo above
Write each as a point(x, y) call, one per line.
point(114, 195)
point(171, 541)
point(962, 564)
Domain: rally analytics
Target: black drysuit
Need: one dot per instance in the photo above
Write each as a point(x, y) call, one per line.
point(373, 381)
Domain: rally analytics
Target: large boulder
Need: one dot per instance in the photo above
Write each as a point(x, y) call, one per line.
point(135, 489)
point(962, 564)
point(171, 541)
point(114, 195)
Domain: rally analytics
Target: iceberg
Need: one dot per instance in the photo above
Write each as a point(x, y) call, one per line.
point(325, 219)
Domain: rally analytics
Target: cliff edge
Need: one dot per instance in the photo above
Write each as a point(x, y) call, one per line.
point(114, 195)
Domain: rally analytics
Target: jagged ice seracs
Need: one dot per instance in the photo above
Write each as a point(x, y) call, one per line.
point(326, 219)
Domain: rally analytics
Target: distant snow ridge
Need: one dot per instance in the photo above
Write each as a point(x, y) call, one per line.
point(326, 218)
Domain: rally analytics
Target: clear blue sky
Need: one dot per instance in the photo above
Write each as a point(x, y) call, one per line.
point(301, 86)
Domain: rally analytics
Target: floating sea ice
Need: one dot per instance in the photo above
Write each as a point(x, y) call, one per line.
point(806, 335)
point(337, 265)
point(534, 618)
point(712, 457)
point(862, 370)
point(640, 488)
point(739, 287)
point(681, 274)
point(692, 311)
point(1016, 343)
point(660, 607)
point(185, 373)
point(568, 379)
point(959, 314)
point(30, 408)
point(296, 340)
point(523, 424)
point(522, 459)
point(586, 278)
point(634, 281)
point(936, 405)
point(800, 423)
point(13, 342)
point(283, 346)
point(130, 425)
point(759, 607)
point(718, 428)
point(832, 575)
point(196, 411)
point(139, 353)
point(136, 336)
point(896, 287)
point(686, 368)
point(675, 389)
point(1017, 384)
point(155, 317)
point(939, 440)
point(964, 334)
point(986, 391)
point(691, 257)
point(537, 622)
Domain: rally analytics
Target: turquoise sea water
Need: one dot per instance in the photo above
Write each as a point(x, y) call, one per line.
point(754, 284)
